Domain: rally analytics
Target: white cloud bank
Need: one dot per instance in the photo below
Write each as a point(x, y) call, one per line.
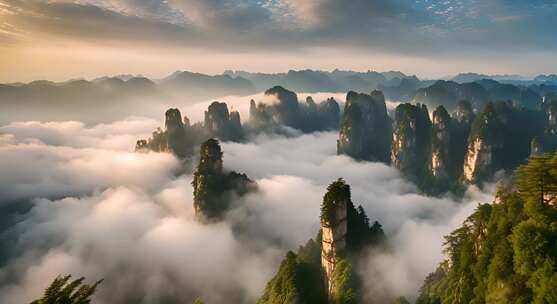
point(102, 211)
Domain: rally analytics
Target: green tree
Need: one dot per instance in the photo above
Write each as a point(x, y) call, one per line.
point(505, 252)
point(64, 291)
point(345, 283)
point(538, 178)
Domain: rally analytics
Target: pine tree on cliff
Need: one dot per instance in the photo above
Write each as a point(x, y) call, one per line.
point(323, 270)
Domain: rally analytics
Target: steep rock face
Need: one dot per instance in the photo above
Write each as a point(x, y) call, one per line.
point(258, 116)
point(501, 139)
point(325, 269)
point(479, 160)
point(287, 111)
point(411, 140)
point(461, 123)
point(464, 114)
point(334, 228)
point(176, 138)
point(345, 231)
point(485, 137)
point(222, 124)
point(324, 116)
point(441, 158)
point(311, 106)
point(547, 142)
point(213, 189)
point(329, 114)
point(365, 131)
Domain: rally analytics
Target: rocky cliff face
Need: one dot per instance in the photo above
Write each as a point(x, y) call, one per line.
point(180, 137)
point(547, 142)
point(464, 114)
point(441, 158)
point(287, 111)
point(325, 269)
point(485, 137)
point(213, 189)
point(329, 114)
point(345, 231)
point(176, 138)
point(411, 140)
point(222, 124)
point(334, 228)
point(365, 131)
point(501, 138)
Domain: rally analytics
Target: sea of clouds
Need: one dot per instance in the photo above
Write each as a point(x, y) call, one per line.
point(99, 210)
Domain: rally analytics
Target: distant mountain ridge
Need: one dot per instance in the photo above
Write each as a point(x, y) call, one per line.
point(112, 97)
point(478, 93)
point(323, 81)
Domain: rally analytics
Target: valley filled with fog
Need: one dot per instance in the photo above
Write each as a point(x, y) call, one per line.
point(278, 152)
point(87, 204)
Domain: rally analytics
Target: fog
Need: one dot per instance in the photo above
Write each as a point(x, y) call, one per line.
point(93, 110)
point(101, 211)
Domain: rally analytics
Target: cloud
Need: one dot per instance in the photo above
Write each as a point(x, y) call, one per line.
point(112, 136)
point(431, 38)
point(405, 27)
point(241, 104)
point(140, 248)
point(85, 22)
point(126, 217)
point(34, 169)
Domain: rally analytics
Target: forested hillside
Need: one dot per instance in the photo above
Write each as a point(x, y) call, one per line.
point(505, 252)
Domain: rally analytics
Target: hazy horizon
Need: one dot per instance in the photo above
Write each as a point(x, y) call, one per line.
point(419, 67)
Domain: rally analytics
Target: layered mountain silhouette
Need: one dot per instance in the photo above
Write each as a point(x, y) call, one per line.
point(109, 98)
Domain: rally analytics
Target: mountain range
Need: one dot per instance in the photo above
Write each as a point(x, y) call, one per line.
point(113, 97)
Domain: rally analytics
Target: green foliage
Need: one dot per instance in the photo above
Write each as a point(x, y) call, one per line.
point(337, 192)
point(176, 137)
point(65, 291)
point(283, 288)
point(365, 130)
point(214, 190)
point(435, 284)
point(361, 233)
point(504, 252)
point(299, 278)
point(346, 289)
point(538, 178)
point(412, 142)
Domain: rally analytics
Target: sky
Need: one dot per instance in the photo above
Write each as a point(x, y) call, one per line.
point(63, 39)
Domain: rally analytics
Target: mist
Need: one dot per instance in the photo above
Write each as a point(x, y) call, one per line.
point(101, 211)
